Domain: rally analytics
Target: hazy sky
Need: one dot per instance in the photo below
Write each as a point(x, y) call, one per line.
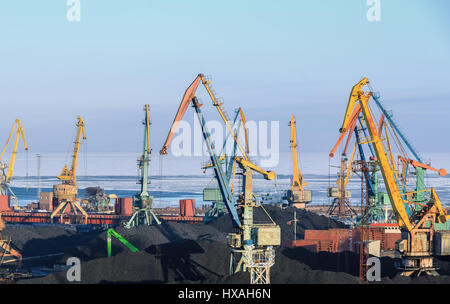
point(273, 58)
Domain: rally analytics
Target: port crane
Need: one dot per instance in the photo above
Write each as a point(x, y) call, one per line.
point(66, 193)
point(213, 194)
point(143, 202)
point(217, 207)
point(298, 196)
point(379, 210)
point(417, 244)
point(251, 245)
point(5, 179)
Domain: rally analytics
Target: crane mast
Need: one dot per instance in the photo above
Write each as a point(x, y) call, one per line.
point(67, 176)
point(143, 202)
point(297, 195)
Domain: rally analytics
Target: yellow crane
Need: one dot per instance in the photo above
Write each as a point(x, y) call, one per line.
point(67, 176)
point(66, 192)
point(297, 195)
point(417, 247)
point(5, 179)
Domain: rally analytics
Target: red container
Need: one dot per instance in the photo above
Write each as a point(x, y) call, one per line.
point(126, 206)
point(332, 240)
point(326, 245)
point(317, 235)
point(187, 207)
point(4, 203)
point(390, 240)
point(307, 244)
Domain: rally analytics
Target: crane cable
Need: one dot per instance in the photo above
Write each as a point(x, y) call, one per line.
point(26, 174)
point(161, 160)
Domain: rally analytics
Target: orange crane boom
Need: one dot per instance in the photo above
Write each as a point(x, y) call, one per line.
point(441, 172)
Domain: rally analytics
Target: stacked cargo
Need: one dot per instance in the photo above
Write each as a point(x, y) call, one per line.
point(338, 240)
point(387, 234)
point(186, 213)
point(332, 240)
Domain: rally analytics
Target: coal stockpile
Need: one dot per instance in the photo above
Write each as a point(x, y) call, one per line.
point(44, 240)
point(190, 262)
point(187, 261)
point(283, 217)
point(196, 253)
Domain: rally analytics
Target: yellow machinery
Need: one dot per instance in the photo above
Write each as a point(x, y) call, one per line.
point(252, 245)
point(5, 179)
point(417, 244)
point(298, 196)
point(8, 255)
point(66, 192)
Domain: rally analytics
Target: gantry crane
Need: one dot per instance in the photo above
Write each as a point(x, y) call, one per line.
point(66, 193)
point(5, 179)
point(143, 202)
point(298, 196)
point(417, 244)
point(252, 244)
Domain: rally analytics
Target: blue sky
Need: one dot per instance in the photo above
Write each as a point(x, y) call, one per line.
point(273, 58)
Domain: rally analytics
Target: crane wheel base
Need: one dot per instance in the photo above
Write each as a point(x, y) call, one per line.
point(416, 266)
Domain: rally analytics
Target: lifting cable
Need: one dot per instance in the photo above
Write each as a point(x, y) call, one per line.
point(84, 152)
point(26, 174)
point(160, 177)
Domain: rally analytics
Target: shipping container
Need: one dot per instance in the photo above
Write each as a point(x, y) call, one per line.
point(187, 207)
point(126, 206)
point(5, 201)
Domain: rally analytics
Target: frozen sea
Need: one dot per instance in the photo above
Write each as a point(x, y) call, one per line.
point(173, 178)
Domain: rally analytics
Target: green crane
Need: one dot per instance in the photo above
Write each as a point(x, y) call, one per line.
point(109, 234)
point(143, 202)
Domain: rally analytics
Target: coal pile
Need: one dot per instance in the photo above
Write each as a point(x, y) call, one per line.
point(197, 253)
point(204, 261)
point(187, 261)
point(43, 240)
